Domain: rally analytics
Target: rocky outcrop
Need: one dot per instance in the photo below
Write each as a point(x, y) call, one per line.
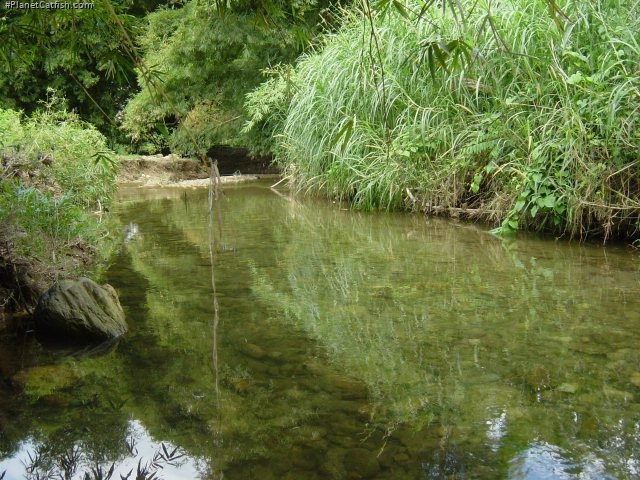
point(80, 309)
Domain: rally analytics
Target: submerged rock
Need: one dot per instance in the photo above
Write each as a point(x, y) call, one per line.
point(45, 380)
point(361, 463)
point(81, 309)
point(568, 388)
point(252, 350)
point(538, 378)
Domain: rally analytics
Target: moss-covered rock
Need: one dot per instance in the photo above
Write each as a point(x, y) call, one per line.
point(81, 309)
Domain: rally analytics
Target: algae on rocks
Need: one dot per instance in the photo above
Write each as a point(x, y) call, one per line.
point(81, 309)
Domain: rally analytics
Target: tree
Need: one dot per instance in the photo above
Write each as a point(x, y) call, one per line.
point(202, 61)
point(85, 55)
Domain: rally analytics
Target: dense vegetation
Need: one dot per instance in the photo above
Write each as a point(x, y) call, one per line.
point(63, 75)
point(520, 117)
point(522, 114)
point(203, 63)
point(82, 54)
point(56, 172)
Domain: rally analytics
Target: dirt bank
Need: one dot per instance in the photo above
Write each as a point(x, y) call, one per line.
point(23, 278)
point(173, 171)
point(29, 199)
point(159, 169)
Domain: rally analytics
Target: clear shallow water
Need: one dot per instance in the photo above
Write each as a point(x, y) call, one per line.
point(349, 346)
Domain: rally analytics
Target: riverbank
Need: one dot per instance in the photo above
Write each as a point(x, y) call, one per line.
point(175, 171)
point(530, 126)
point(152, 171)
point(57, 177)
point(25, 274)
point(23, 278)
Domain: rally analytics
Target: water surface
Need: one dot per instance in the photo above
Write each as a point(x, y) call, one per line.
point(349, 346)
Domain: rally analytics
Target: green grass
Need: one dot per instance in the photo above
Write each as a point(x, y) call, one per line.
point(529, 125)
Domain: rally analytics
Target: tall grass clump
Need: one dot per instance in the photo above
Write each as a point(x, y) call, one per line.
point(56, 171)
point(524, 114)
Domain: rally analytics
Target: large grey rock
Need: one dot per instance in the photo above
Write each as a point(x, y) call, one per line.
point(81, 309)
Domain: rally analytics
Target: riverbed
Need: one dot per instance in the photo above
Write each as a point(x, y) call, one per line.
point(346, 345)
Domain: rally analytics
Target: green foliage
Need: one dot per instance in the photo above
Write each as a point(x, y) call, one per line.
point(84, 54)
point(204, 62)
point(41, 216)
point(527, 116)
point(55, 168)
point(266, 106)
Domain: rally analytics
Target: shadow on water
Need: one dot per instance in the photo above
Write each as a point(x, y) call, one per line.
point(349, 345)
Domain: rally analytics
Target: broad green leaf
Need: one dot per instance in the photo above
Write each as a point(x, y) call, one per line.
point(534, 211)
point(575, 78)
point(549, 201)
point(400, 8)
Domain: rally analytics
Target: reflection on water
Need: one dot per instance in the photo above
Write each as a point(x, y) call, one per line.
point(32, 459)
point(349, 346)
point(539, 461)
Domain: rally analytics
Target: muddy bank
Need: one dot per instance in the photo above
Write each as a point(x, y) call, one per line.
point(159, 169)
point(30, 197)
point(24, 278)
point(174, 171)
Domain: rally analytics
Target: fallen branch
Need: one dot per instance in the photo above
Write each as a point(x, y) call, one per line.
point(280, 181)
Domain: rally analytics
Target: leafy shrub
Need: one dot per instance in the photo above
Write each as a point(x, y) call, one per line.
point(203, 64)
point(55, 170)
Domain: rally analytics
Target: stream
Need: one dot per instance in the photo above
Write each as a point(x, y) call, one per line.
point(348, 346)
